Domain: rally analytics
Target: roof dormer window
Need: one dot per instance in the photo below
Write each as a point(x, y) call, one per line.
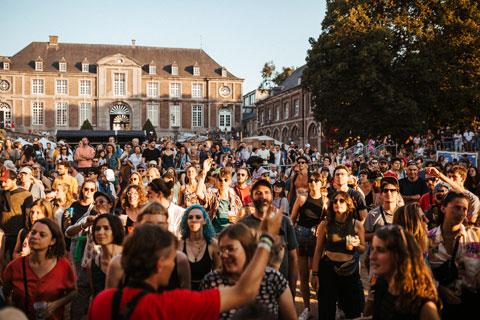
point(224, 72)
point(85, 65)
point(62, 65)
point(152, 68)
point(174, 69)
point(6, 64)
point(196, 69)
point(39, 64)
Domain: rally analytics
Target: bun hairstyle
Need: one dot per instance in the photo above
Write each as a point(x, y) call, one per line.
point(160, 186)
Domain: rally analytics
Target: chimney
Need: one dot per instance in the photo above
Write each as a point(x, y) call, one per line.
point(52, 40)
point(133, 42)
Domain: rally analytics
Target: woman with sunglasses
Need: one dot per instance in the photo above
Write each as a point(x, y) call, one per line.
point(198, 243)
point(222, 203)
point(44, 277)
point(188, 192)
point(64, 155)
point(133, 199)
point(306, 215)
point(108, 233)
point(237, 245)
point(335, 266)
point(453, 254)
point(404, 288)
point(280, 200)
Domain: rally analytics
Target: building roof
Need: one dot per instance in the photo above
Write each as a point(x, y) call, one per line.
point(249, 115)
point(75, 53)
point(292, 80)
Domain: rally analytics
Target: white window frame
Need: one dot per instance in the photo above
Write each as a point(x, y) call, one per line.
point(296, 107)
point(175, 110)
point(61, 114)
point(277, 112)
point(197, 119)
point(196, 71)
point(38, 65)
point(174, 70)
point(37, 88)
point(61, 87)
point(153, 112)
point(84, 112)
point(85, 67)
point(195, 94)
point(286, 110)
point(62, 66)
point(119, 89)
point(176, 93)
point(224, 72)
point(38, 113)
point(227, 114)
point(84, 90)
point(152, 70)
point(152, 89)
point(6, 66)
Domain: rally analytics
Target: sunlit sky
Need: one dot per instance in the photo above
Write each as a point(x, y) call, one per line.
point(241, 35)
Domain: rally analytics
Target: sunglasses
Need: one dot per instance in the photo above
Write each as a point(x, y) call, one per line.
point(390, 190)
point(301, 162)
point(89, 189)
point(195, 216)
point(339, 201)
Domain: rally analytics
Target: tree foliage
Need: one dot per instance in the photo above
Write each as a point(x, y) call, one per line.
point(395, 67)
point(86, 125)
point(271, 77)
point(148, 126)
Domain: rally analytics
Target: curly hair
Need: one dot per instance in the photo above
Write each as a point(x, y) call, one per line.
point(350, 206)
point(412, 279)
point(411, 218)
point(208, 230)
point(142, 196)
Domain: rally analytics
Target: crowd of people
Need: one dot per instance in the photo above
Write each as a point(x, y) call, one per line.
point(162, 229)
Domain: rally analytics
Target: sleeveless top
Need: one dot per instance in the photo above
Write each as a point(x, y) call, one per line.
point(336, 235)
point(167, 161)
point(98, 278)
point(310, 214)
point(384, 304)
point(174, 281)
point(189, 198)
point(200, 268)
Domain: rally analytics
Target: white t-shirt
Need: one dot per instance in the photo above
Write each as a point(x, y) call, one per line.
point(264, 154)
point(175, 214)
point(468, 135)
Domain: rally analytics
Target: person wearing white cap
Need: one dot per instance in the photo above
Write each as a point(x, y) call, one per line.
point(10, 165)
point(29, 183)
point(106, 185)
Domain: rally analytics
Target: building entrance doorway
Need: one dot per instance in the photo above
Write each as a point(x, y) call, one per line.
point(120, 117)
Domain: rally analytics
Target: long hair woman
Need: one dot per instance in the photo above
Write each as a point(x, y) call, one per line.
point(44, 277)
point(133, 198)
point(108, 233)
point(188, 191)
point(335, 265)
point(40, 209)
point(198, 243)
point(63, 199)
point(412, 219)
point(404, 288)
point(237, 245)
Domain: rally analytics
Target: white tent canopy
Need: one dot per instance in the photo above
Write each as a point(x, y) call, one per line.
point(262, 138)
point(23, 141)
point(44, 142)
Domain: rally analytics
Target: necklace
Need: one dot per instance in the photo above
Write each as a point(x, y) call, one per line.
point(196, 248)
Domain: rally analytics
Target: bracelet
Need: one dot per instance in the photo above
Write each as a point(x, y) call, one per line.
point(264, 246)
point(267, 235)
point(266, 241)
point(314, 273)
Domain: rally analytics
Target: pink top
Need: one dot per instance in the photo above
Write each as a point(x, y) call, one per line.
point(84, 156)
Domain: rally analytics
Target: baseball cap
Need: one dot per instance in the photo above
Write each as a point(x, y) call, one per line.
point(389, 180)
point(6, 174)
point(26, 170)
point(440, 185)
point(103, 194)
point(110, 175)
point(152, 163)
point(10, 165)
point(142, 166)
point(383, 160)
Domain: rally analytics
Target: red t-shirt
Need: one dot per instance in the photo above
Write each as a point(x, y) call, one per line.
point(52, 286)
point(425, 201)
point(177, 304)
point(244, 194)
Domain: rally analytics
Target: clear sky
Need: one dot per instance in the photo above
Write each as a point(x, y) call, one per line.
point(241, 35)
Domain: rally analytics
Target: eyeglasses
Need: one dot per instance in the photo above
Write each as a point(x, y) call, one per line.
point(301, 162)
point(195, 216)
point(339, 201)
point(141, 170)
point(89, 189)
point(227, 249)
point(389, 190)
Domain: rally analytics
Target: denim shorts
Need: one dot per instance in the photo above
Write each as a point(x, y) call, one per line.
point(307, 240)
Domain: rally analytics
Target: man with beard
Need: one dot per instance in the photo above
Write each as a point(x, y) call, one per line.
point(383, 165)
point(262, 200)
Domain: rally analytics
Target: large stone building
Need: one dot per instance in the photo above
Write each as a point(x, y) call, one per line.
point(287, 114)
point(51, 85)
point(249, 112)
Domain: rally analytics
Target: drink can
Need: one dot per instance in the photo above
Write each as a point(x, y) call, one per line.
point(39, 307)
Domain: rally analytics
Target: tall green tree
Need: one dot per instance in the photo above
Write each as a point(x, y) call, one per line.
point(271, 77)
point(395, 67)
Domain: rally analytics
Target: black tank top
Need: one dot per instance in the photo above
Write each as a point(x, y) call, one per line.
point(200, 268)
point(336, 235)
point(310, 213)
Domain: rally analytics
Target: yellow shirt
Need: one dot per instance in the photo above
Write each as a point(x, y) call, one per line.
point(68, 180)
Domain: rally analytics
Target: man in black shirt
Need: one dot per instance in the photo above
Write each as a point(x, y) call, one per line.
point(412, 187)
point(151, 152)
